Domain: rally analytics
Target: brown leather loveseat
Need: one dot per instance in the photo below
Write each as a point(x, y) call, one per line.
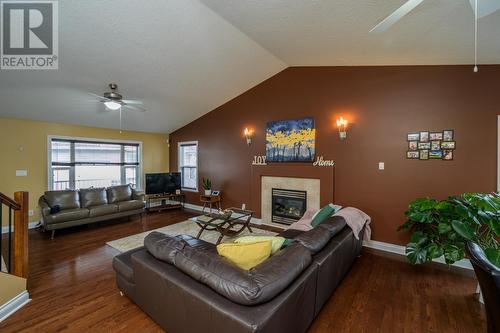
point(68, 208)
point(185, 286)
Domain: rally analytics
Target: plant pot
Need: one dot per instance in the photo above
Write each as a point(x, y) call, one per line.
point(208, 192)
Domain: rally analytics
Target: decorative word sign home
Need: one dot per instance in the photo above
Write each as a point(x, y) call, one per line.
point(259, 160)
point(323, 163)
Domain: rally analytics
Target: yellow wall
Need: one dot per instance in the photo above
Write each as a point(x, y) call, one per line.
point(32, 137)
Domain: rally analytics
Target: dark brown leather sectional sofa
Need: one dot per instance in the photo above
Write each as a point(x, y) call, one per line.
point(88, 206)
point(185, 286)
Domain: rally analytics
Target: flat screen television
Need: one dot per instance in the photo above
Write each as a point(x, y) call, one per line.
point(159, 183)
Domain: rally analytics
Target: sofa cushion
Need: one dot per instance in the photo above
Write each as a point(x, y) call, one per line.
point(163, 247)
point(246, 255)
point(67, 199)
point(333, 224)
point(119, 193)
point(67, 215)
point(124, 206)
point(197, 243)
point(102, 210)
point(314, 240)
point(256, 286)
point(93, 197)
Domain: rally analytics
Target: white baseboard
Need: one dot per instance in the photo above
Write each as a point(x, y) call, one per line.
point(31, 225)
point(13, 305)
point(400, 250)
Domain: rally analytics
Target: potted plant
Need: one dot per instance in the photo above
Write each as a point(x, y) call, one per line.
point(207, 186)
point(442, 228)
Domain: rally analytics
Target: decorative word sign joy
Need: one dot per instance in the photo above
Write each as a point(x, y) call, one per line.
point(259, 160)
point(323, 163)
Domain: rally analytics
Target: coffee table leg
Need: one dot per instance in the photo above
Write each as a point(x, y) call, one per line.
point(202, 228)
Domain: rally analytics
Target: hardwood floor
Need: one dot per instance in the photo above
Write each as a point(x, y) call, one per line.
point(72, 286)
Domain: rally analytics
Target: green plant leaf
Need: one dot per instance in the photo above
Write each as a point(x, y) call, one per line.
point(406, 225)
point(493, 256)
point(433, 251)
point(419, 238)
point(444, 228)
point(463, 229)
point(452, 253)
point(415, 254)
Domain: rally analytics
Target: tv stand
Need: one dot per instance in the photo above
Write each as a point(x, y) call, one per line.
point(159, 202)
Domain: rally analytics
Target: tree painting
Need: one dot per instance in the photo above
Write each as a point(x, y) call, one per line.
point(290, 140)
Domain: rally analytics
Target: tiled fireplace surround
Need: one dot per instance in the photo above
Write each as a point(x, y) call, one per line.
point(318, 182)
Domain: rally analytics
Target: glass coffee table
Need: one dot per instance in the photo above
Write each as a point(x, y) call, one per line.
point(228, 224)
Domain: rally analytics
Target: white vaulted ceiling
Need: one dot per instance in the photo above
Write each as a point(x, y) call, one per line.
point(335, 32)
point(184, 58)
point(177, 56)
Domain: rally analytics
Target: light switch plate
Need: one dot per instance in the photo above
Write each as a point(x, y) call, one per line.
point(381, 165)
point(21, 173)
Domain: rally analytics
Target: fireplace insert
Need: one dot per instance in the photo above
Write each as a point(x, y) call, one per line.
point(288, 206)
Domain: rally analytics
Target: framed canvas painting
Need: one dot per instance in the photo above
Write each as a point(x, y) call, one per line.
point(290, 140)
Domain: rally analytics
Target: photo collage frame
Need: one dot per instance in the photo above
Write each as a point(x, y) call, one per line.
point(431, 145)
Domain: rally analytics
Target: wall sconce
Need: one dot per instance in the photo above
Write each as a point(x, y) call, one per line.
point(248, 135)
point(342, 125)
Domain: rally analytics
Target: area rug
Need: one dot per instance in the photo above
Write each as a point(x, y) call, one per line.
point(188, 227)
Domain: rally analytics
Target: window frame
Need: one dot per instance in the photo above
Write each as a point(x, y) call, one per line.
point(179, 166)
point(91, 140)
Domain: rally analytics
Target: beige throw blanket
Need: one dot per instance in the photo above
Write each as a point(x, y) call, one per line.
point(356, 220)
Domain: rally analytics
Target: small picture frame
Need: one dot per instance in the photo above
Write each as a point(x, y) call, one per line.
point(447, 155)
point(424, 136)
point(412, 145)
point(435, 154)
point(413, 137)
point(435, 145)
point(413, 154)
point(436, 136)
point(447, 145)
point(424, 154)
point(215, 193)
point(424, 145)
point(448, 135)
point(177, 191)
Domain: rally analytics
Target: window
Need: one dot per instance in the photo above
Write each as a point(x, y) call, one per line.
point(84, 163)
point(188, 165)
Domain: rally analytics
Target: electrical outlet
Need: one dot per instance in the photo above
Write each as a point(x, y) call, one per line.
point(31, 213)
point(381, 165)
point(243, 206)
point(21, 173)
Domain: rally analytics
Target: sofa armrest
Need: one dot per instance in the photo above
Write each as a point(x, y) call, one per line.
point(44, 206)
point(138, 195)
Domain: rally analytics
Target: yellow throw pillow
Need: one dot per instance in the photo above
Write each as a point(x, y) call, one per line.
point(277, 241)
point(246, 256)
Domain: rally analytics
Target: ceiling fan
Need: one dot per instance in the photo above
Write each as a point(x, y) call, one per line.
point(114, 101)
point(484, 8)
point(487, 7)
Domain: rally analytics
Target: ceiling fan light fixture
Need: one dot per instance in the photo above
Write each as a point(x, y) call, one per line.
point(112, 105)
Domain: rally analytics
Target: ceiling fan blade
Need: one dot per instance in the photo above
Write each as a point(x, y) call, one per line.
point(485, 7)
point(396, 16)
point(132, 101)
point(134, 107)
point(100, 98)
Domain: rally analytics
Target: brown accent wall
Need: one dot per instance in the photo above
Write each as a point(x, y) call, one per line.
point(382, 104)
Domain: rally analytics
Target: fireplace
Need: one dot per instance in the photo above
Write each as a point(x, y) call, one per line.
point(288, 206)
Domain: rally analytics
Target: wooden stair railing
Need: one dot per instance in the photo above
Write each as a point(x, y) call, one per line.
point(17, 233)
